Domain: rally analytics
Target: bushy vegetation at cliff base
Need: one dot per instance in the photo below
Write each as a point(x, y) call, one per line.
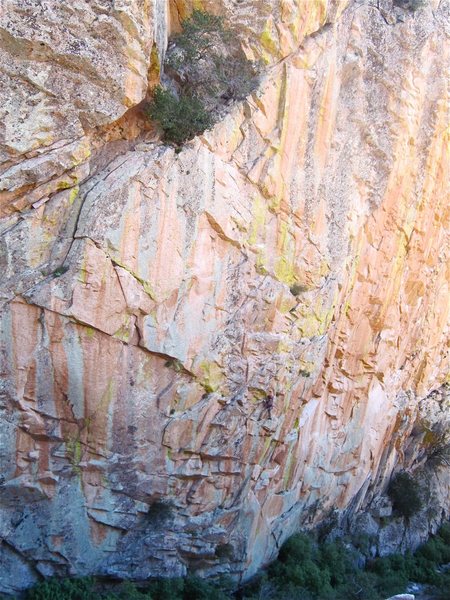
point(304, 570)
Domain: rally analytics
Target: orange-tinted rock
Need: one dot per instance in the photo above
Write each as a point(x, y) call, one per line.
point(301, 246)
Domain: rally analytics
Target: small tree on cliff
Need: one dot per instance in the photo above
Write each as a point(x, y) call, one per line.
point(404, 492)
point(181, 118)
point(208, 70)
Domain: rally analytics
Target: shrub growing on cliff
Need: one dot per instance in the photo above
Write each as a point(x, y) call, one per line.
point(181, 118)
point(206, 59)
point(438, 447)
point(297, 288)
point(405, 495)
point(159, 513)
point(199, 33)
point(411, 5)
point(208, 70)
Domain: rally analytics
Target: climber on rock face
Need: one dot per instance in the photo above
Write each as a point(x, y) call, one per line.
point(268, 403)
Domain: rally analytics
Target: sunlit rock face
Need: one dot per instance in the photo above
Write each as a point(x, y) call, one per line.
point(151, 298)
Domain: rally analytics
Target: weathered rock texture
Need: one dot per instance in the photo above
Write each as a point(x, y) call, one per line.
point(151, 298)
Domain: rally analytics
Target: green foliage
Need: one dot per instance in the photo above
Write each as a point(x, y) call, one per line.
point(444, 533)
point(304, 373)
point(297, 548)
point(189, 588)
point(363, 542)
point(298, 288)
point(304, 570)
point(208, 69)
point(224, 551)
point(404, 493)
point(126, 591)
point(199, 33)
point(439, 453)
point(63, 589)
point(181, 118)
point(411, 5)
point(329, 571)
point(423, 566)
point(391, 575)
point(159, 512)
point(84, 589)
point(167, 589)
point(435, 551)
point(196, 588)
point(60, 270)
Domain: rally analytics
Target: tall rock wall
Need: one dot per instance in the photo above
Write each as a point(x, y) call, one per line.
point(151, 298)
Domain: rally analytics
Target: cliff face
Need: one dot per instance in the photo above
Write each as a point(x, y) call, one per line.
point(151, 298)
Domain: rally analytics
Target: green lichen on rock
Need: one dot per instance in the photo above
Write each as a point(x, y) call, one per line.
point(74, 453)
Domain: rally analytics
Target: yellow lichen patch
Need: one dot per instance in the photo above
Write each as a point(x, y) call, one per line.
point(284, 267)
point(124, 332)
point(275, 203)
point(154, 71)
point(284, 346)
point(314, 15)
point(73, 194)
point(82, 153)
point(288, 469)
point(324, 268)
point(83, 272)
point(258, 221)
point(269, 40)
point(306, 367)
point(267, 444)
point(303, 62)
point(211, 376)
point(74, 453)
point(89, 331)
point(64, 185)
point(284, 270)
point(316, 320)
point(145, 284)
point(286, 304)
point(260, 264)
point(342, 5)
